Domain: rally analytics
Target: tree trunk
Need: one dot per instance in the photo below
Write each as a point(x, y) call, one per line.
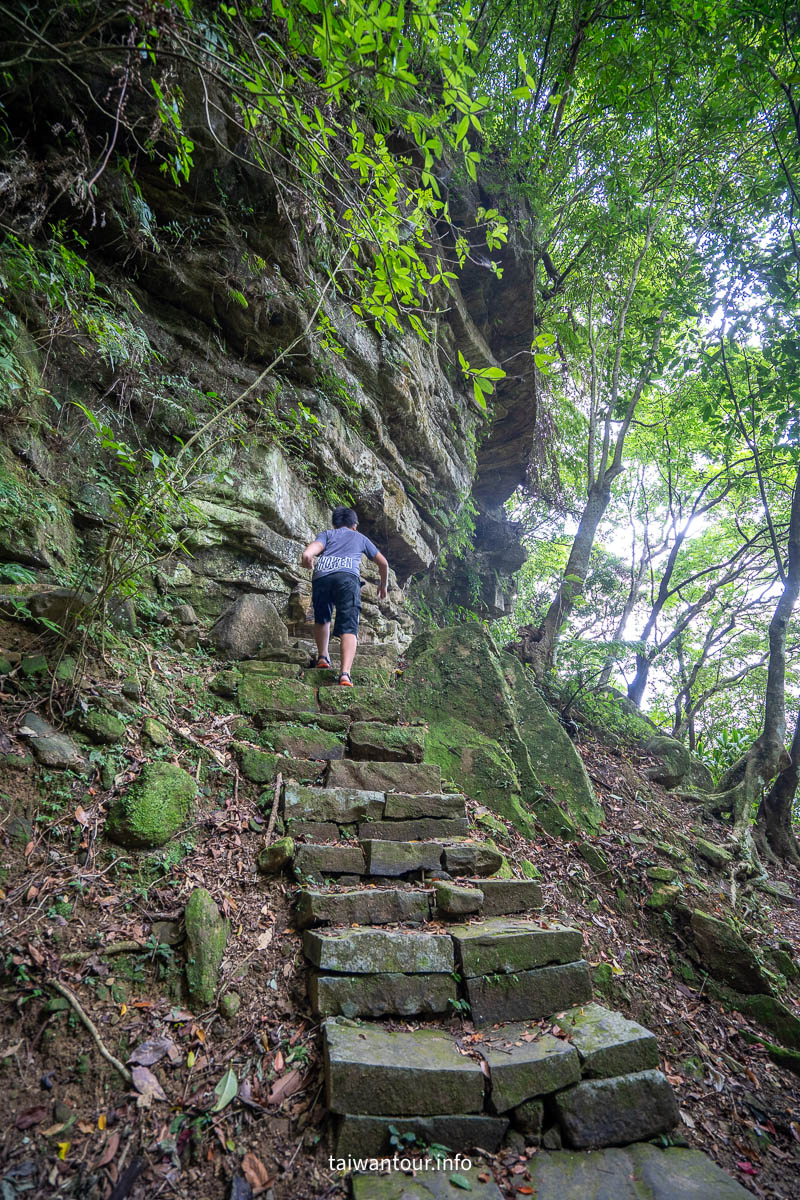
point(574, 576)
point(637, 686)
point(775, 811)
point(741, 788)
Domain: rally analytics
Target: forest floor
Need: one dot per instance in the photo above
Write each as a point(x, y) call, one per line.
point(221, 1108)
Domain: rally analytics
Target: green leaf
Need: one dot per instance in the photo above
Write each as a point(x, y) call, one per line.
point(461, 1181)
point(225, 1090)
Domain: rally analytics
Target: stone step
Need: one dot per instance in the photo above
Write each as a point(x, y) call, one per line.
point(392, 859)
point(503, 944)
point(638, 1172)
point(433, 1184)
point(523, 1066)
point(390, 831)
point(385, 776)
point(313, 860)
point(502, 897)
point(372, 1071)
point(262, 766)
point(304, 741)
point(608, 1043)
point(373, 675)
point(370, 1137)
point(347, 806)
point(272, 698)
point(370, 906)
point(525, 995)
point(369, 703)
point(381, 995)
point(369, 653)
point(366, 951)
point(610, 1112)
point(371, 741)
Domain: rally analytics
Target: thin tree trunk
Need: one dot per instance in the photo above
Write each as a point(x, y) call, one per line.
point(574, 575)
point(775, 811)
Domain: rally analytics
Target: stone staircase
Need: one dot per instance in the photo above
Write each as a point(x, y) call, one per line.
point(450, 1010)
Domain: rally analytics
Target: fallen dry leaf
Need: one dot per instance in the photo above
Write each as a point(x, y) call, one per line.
point(285, 1087)
point(255, 1173)
point(153, 1051)
point(112, 1146)
point(147, 1086)
point(31, 1117)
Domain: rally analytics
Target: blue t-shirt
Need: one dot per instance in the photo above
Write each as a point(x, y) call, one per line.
point(342, 551)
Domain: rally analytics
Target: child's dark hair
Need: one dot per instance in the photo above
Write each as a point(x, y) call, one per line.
point(343, 518)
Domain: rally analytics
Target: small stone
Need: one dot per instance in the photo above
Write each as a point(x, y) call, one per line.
point(528, 1118)
point(155, 732)
point(359, 1137)
point(425, 829)
point(206, 937)
point(33, 665)
point(662, 874)
point(132, 689)
point(167, 933)
point(247, 625)
point(402, 807)
point(471, 858)
point(664, 897)
point(272, 859)
point(716, 855)
point(453, 901)
point(612, 1112)
point(229, 1005)
point(102, 727)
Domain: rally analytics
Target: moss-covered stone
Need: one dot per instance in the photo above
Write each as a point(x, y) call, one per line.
point(272, 859)
point(608, 1043)
point(362, 703)
point(153, 808)
point(716, 855)
point(206, 939)
point(155, 732)
point(610, 1112)
point(33, 665)
point(103, 727)
point(387, 743)
point(594, 857)
point(229, 1005)
point(521, 1067)
point(662, 874)
point(511, 944)
point(366, 951)
point(260, 694)
point(771, 1014)
point(65, 669)
point(261, 766)
point(726, 955)
point(486, 718)
point(303, 741)
point(525, 995)
point(225, 683)
point(454, 901)
point(664, 896)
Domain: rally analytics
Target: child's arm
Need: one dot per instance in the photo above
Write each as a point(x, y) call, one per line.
point(383, 567)
point(310, 553)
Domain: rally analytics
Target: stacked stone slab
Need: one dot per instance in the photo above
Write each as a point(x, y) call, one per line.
point(404, 916)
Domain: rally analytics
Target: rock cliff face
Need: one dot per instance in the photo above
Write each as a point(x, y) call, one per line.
point(206, 286)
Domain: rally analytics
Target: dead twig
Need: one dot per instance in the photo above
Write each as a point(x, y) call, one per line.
point(90, 1025)
point(129, 947)
point(273, 814)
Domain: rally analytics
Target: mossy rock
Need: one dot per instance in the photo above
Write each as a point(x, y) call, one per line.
point(494, 733)
point(103, 727)
point(206, 939)
point(773, 1015)
point(155, 732)
point(257, 694)
point(154, 807)
point(726, 955)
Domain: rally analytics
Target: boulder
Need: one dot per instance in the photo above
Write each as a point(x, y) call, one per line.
point(246, 625)
point(726, 955)
point(491, 731)
point(153, 808)
point(677, 765)
point(206, 938)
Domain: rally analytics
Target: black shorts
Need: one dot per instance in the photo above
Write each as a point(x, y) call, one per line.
point(340, 590)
